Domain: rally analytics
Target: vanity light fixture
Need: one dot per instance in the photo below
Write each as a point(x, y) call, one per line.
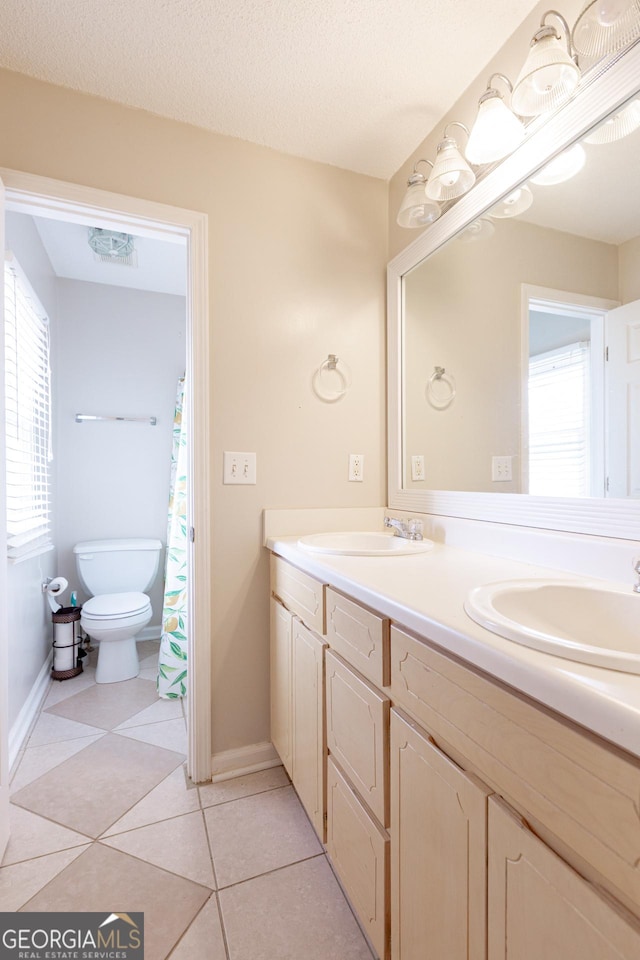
point(416, 209)
point(451, 175)
point(618, 126)
point(550, 73)
point(566, 165)
point(513, 204)
point(497, 131)
point(605, 26)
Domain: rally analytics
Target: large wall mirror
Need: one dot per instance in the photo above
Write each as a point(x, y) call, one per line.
point(514, 341)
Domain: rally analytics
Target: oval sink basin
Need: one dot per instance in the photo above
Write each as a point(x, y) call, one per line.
point(363, 544)
point(583, 621)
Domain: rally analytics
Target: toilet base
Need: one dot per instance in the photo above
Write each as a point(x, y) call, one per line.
point(117, 660)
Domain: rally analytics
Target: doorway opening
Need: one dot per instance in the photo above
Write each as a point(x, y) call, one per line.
point(563, 394)
point(83, 208)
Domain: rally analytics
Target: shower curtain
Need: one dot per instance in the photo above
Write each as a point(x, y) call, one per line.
point(172, 662)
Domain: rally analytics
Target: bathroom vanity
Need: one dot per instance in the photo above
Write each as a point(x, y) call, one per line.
point(477, 799)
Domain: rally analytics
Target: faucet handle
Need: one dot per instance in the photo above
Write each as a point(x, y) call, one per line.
point(636, 564)
point(415, 529)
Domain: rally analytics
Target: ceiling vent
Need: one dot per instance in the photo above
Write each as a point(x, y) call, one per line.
point(109, 246)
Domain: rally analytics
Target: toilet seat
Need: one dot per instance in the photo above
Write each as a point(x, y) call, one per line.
point(115, 606)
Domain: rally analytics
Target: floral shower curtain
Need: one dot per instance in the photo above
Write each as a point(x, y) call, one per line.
point(172, 663)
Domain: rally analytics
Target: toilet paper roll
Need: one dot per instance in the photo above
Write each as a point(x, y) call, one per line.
point(57, 586)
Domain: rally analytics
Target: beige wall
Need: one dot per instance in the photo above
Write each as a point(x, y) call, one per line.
point(297, 256)
point(629, 270)
point(463, 310)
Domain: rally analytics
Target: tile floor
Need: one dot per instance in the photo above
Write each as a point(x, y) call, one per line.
point(104, 819)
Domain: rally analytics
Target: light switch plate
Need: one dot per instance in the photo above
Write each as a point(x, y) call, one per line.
point(239, 467)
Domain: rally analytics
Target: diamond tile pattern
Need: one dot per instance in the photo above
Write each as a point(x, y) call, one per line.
point(105, 819)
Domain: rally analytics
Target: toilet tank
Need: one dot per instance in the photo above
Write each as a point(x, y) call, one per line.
point(117, 566)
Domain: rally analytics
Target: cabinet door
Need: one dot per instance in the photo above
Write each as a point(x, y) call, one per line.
point(308, 723)
point(541, 909)
point(358, 733)
point(438, 852)
point(280, 682)
point(359, 852)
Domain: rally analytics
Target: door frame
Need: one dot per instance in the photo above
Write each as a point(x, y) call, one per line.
point(56, 199)
point(559, 302)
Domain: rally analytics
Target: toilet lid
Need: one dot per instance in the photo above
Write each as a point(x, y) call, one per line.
point(109, 605)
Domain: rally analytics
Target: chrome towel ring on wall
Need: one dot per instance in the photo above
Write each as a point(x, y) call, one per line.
point(331, 380)
point(441, 388)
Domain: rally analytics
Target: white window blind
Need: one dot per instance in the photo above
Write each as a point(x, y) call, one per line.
point(559, 422)
point(28, 418)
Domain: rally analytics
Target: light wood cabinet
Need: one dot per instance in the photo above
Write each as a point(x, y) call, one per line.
point(308, 723)
point(467, 772)
point(281, 649)
point(358, 733)
point(359, 635)
point(300, 593)
point(438, 843)
point(541, 909)
point(359, 852)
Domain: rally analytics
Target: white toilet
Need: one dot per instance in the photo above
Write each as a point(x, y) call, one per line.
point(116, 573)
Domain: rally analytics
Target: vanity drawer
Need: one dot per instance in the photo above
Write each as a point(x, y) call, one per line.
point(570, 784)
point(299, 592)
point(358, 733)
point(360, 636)
point(359, 852)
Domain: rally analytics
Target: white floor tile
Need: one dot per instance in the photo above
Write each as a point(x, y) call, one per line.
point(204, 936)
point(20, 882)
point(34, 836)
point(226, 790)
point(178, 845)
point(169, 799)
point(39, 760)
point(51, 729)
point(162, 710)
point(170, 734)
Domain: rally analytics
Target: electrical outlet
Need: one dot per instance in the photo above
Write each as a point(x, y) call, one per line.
point(501, 469)
point(239, 467)
point(417, 467)
point(356, 467)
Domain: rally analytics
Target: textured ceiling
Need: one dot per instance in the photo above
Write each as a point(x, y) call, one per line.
point(354, 83)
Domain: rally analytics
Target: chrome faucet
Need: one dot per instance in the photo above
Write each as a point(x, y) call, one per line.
point(408, 529)
point(636, 567)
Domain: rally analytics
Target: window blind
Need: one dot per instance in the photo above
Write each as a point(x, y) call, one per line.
point(28, 418)
point(559, 422)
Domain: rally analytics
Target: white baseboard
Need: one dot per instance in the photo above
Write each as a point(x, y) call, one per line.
point(236, 763)
point(29, 712)
point(152, 632)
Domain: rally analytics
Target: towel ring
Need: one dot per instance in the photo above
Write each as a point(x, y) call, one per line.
point(331, 371)
point(441, 388)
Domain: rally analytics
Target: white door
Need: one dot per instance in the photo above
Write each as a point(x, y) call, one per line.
point(4, 686)
point(623, 401)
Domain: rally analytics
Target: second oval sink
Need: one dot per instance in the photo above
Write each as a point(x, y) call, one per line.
point(363, 544)
point(589, 622)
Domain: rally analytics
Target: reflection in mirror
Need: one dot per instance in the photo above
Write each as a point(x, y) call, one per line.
point(519, 310)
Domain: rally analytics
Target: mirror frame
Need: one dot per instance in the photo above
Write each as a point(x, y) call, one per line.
point(600, 92)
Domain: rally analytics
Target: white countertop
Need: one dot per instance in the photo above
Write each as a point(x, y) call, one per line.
point(425, 594)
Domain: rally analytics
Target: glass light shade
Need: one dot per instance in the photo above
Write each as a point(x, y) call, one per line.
point(480, 229)
point(547, 78)
point(562, 167)
point(416, 210)
point(451, 175)
point(495, 134)
point(515, 203)
point(618, 126)
point(605, 26)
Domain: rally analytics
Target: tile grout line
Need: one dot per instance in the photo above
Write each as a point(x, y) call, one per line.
point(267, 873)
point(223, 928)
